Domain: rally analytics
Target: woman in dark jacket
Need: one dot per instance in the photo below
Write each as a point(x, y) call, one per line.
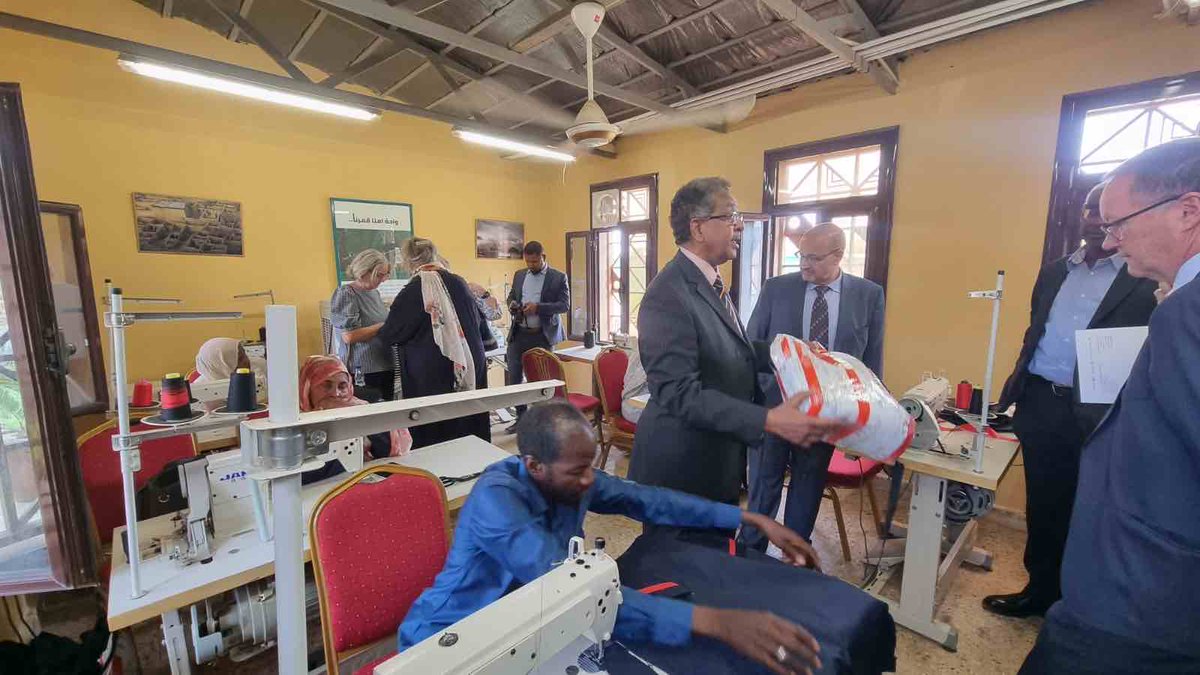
point(442, 335)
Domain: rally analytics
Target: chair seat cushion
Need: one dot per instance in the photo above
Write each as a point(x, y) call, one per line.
point(624, 425)
point(850, 473)
point(584, 402)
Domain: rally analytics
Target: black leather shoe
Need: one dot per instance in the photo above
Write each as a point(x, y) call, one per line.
point(1018, 605)
point(511, 429)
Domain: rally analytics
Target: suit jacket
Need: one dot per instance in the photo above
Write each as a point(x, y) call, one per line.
point(1129, 302)
point(780, 310)
point(1134, 543)
point(704, 406)
point(556, 299)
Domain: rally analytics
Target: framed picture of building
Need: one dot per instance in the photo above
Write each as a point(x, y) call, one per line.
point(189, 225)
point(498, 238)
point(360, 224)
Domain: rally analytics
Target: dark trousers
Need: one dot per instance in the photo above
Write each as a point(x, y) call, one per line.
point(767, 465)
point(379, 386)
point(1051, 441)
point(521, 342)
point(1065, 645)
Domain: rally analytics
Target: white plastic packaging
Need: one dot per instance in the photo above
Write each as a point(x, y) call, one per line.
point(841, 388)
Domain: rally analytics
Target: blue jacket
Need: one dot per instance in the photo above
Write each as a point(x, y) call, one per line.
point(780, 310)
point(1134, 546)
point(508, 535)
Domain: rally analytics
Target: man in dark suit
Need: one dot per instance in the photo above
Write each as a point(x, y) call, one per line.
point(1089, 289)
point(539, 294)
point(704, 408)
point(1128, 591)
point(821, 304)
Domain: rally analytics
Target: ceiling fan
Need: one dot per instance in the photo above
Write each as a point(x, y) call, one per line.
point(592, 129)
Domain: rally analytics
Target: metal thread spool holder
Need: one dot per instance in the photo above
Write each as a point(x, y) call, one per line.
point(996, 296)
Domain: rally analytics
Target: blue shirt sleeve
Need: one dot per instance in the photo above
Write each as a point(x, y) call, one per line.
point(660, 506)
point(512, 534)
point(647, 618)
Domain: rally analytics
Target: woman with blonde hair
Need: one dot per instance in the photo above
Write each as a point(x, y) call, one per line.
point(441, 334)
point(357, 313)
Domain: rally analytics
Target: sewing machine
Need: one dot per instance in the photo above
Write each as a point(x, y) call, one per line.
point(542, 627)
point(923, 402)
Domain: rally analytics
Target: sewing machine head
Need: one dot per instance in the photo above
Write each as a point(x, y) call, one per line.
point(542, 627)
point(923, 402)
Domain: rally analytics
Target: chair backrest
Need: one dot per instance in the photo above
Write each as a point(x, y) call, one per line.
point(541, 364)
point(610, 366)
point(378, 540)
point(101, 468)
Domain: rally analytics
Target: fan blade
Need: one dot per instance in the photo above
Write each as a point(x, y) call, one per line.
point(517, 106)
point(730, 112)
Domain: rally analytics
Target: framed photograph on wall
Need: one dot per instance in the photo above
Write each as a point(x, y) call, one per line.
point(188, 225)
point(360, 224)
point(498, 238)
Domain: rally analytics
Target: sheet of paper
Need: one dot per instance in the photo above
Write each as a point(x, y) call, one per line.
point(1105, 356)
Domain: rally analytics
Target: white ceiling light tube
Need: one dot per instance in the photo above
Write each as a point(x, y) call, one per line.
point(513, 146)
point(227, 85)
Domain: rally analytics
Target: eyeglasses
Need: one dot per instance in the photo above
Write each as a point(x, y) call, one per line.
point(1112, 228)
point(814, 258)
point(734, 218)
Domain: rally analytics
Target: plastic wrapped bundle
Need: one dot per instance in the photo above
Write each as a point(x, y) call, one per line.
point(841, 388)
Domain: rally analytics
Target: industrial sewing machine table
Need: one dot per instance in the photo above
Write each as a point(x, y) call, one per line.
point(244, 558)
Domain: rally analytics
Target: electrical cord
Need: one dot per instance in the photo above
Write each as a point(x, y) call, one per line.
point(447, 481)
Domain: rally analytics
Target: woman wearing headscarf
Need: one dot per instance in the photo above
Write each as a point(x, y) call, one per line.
point(218, 358)
point(324, 384)
point(357, 312)
point(441, 334)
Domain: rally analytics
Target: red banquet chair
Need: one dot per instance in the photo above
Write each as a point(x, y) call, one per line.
point(541, 364)
point(101, 468)
point(609, 368)
point(369, 571)
point(851, 474)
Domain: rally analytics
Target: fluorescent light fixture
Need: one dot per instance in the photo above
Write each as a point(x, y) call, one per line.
point(513, 146)
point(239, 88)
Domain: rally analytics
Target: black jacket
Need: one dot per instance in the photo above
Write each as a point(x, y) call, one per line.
point(556, 299)
point(1129, 302)
point(704, 404)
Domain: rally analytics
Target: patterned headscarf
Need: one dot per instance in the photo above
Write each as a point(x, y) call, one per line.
point(319, 369)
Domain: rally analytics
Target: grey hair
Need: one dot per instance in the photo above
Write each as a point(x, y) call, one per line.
point(1167, 169)
point(365, 263)
point(416, 252)
point(694, 200)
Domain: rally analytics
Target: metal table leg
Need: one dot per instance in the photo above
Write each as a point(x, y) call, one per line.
point(175, 641)
point(922, 558)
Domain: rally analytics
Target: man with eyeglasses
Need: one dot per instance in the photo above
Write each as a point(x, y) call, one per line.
point(843, 313)
point(1091, 288)
point(1129, 600)
point(701, 367)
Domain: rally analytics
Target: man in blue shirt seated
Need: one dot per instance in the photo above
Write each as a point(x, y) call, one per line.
point(524, 510)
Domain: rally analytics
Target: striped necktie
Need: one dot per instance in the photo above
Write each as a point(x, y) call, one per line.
point(719, 287)
point(818, 323)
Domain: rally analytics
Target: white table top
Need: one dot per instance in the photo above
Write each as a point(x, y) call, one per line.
point(580, 353)
point(998, 456)
point(244, 558)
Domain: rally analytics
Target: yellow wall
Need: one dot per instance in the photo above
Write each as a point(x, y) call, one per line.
point(99, 133)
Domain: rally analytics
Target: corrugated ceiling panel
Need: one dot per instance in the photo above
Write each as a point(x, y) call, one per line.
point(335, 44)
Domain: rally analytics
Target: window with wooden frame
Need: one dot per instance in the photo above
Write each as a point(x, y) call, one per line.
point(45, 534)
point(849, 181)
point(1098, 130)
point(610, 265)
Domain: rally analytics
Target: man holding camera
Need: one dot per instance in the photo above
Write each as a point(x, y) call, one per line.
point(539, 294)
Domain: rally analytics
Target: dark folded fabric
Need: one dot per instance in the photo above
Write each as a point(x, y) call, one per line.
point(855, 631)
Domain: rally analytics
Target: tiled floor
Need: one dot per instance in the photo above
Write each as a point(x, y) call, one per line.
point(987, 644)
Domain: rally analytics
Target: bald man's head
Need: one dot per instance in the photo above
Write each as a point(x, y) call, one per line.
point(1090, 222)
point(821, 250)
